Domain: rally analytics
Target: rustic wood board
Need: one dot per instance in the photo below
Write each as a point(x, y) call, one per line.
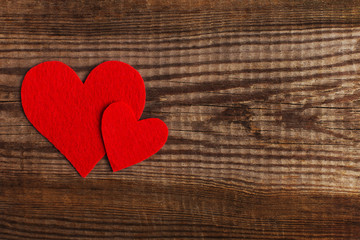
point(262, 99)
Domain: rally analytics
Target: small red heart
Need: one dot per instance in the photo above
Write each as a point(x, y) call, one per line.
point(68, 112)
point(128, 141)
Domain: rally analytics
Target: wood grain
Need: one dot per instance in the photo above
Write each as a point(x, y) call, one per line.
point(262, 100)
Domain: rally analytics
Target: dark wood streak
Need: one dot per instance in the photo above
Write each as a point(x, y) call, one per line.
point(262, 103)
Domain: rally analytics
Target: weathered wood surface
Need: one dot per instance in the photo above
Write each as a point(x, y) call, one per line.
point(262, 99)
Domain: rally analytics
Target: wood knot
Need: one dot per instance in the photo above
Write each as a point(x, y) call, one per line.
point(240, 114)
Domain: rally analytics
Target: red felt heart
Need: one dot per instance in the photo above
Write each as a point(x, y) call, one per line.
point(68, 112)
point(128, 141)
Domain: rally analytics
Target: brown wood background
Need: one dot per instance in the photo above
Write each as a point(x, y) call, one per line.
point(262, 99)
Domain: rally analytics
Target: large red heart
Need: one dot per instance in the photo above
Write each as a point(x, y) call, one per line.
point(68, 112)
point(128, 141)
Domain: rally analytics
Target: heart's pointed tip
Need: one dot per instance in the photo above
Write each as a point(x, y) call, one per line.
point(117, 169)
point(84, 175)
point(114, 168)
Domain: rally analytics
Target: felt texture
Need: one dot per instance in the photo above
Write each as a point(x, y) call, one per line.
point(68, 112)
point(128, 141)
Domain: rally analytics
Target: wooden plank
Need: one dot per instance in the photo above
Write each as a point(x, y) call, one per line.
point(261, 99)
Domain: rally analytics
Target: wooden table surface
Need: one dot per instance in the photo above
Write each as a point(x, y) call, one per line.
point(262, 101)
